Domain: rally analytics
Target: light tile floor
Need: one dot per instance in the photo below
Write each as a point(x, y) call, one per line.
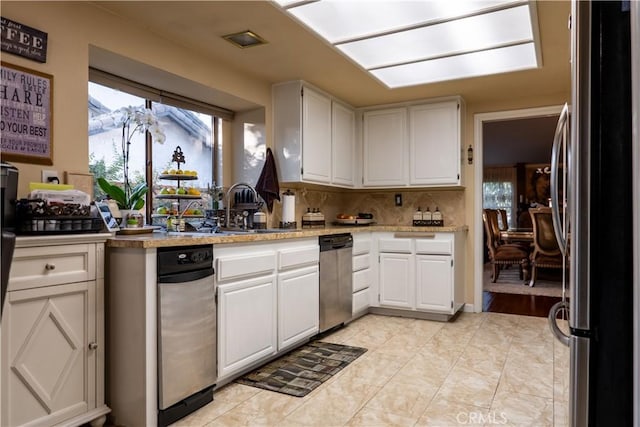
point(482, 369)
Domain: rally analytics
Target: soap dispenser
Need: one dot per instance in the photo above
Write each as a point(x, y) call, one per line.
point(417, 217)
point(427, 217)
point(437, 219)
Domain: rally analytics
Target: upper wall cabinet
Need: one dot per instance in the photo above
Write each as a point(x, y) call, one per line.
point(416, 145)
point(385, 147)
point(343, 136)
point(313, 136)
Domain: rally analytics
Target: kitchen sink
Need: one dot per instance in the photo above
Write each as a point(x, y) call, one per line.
point(222, 232)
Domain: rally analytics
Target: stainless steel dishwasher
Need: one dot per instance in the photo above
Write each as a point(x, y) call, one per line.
point(186, 331)
point(335, 280)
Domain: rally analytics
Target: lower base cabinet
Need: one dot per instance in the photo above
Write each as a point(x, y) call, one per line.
point(434, 282)
point(298, 306)
point(268, 301)
point(396, 280)
point(247, 323)
point(52, 335)
point(422, 271)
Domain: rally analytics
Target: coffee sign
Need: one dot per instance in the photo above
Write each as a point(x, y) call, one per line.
point(22, 40)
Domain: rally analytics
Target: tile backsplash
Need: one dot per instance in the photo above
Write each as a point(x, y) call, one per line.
point(380, 203)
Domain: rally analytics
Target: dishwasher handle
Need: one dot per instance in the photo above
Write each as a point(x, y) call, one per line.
point(188, 276)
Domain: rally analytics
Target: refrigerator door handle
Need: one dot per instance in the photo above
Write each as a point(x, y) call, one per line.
point(555, 165)
point(553, 321)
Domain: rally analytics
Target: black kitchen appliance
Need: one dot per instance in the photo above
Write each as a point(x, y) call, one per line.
point(9, 189)
point(595, 151)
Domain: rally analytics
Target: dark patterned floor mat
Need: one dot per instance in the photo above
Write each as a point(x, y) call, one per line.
point(304, 369)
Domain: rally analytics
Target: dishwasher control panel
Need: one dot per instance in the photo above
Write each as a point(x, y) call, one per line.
point(184, 258)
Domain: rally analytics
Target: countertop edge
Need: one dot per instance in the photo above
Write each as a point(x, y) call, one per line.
point(161, 239)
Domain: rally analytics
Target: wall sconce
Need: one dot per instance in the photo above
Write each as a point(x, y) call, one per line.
point(470, 155)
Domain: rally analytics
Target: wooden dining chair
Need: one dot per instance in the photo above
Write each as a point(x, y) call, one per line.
point(502, 255)
point(546, 252)
point(503, 223)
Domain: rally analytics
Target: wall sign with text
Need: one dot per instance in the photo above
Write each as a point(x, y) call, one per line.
point(26, 115)
point(23, 40)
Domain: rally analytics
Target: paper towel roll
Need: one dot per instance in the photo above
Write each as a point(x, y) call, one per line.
point(288, 207)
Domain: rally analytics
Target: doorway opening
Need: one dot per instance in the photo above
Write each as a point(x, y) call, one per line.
point(492, 132)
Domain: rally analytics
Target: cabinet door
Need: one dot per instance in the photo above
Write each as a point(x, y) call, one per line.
point(246, 323)
point(396, 280)
point(298, 306)
point(434, 278)
point(434, 144)
point(316, 137)
point(48, 369)
point(385, 147)
point(343, 144)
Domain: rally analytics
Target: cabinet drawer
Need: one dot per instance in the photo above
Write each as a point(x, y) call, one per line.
point(361, 280)
point(395, 245)
point(360, 301)
point(298, 257)
point(433, 246)
point(52, 265)
point(361, 246)
point(230, 267)
point(360, 262)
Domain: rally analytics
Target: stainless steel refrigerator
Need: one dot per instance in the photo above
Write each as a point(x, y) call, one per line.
point(596, 214)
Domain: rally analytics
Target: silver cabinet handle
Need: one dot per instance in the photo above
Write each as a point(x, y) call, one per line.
point(93, 345)
point(50, 267)
point(553, 321)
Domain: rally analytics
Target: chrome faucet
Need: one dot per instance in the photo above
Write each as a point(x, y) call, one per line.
point(228, 201)
point(178, 222)
point(187, 208)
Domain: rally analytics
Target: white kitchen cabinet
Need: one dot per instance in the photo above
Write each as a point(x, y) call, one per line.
point(434, 283)
point(434, 144)
point(396, 269)
point(397, 286)
point(246, 323)
point(422, 271)
point(268, 301)
point(342, 144)
point(306, 122)
point(362, 273)
point(316, 136)
point(247, 305)
point(385, 148)
point(52, 368)
point(298, 306)
point(416, 145)
point(298, 291)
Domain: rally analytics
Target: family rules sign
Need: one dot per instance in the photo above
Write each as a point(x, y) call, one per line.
point(26, 98)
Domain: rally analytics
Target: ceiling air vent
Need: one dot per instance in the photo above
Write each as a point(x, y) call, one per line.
point(245, 39)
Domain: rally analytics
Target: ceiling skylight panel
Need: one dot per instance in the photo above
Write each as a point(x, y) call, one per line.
point(342, 20)
point(512, 58)
point(504, 27)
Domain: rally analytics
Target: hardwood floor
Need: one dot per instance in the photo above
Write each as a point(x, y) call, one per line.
point(526, 305)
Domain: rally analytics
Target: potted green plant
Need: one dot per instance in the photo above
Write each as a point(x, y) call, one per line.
point(132, 120)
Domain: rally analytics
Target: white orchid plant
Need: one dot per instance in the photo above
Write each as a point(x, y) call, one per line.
point(132, 120)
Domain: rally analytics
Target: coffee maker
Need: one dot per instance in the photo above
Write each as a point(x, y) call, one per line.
point(9, 188)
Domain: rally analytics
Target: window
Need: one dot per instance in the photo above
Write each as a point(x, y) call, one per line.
point(189, 129)
point(498, 191)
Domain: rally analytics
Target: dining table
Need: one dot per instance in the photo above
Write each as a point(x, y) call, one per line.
point(513, 235)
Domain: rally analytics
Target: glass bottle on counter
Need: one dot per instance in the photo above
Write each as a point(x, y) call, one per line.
point(426, 217)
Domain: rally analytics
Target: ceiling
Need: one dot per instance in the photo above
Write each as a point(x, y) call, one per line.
point(295, 53)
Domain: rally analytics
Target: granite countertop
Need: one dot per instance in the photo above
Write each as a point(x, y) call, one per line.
point(162, 239)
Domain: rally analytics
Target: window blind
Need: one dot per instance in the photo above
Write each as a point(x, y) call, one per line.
point(157, 95)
